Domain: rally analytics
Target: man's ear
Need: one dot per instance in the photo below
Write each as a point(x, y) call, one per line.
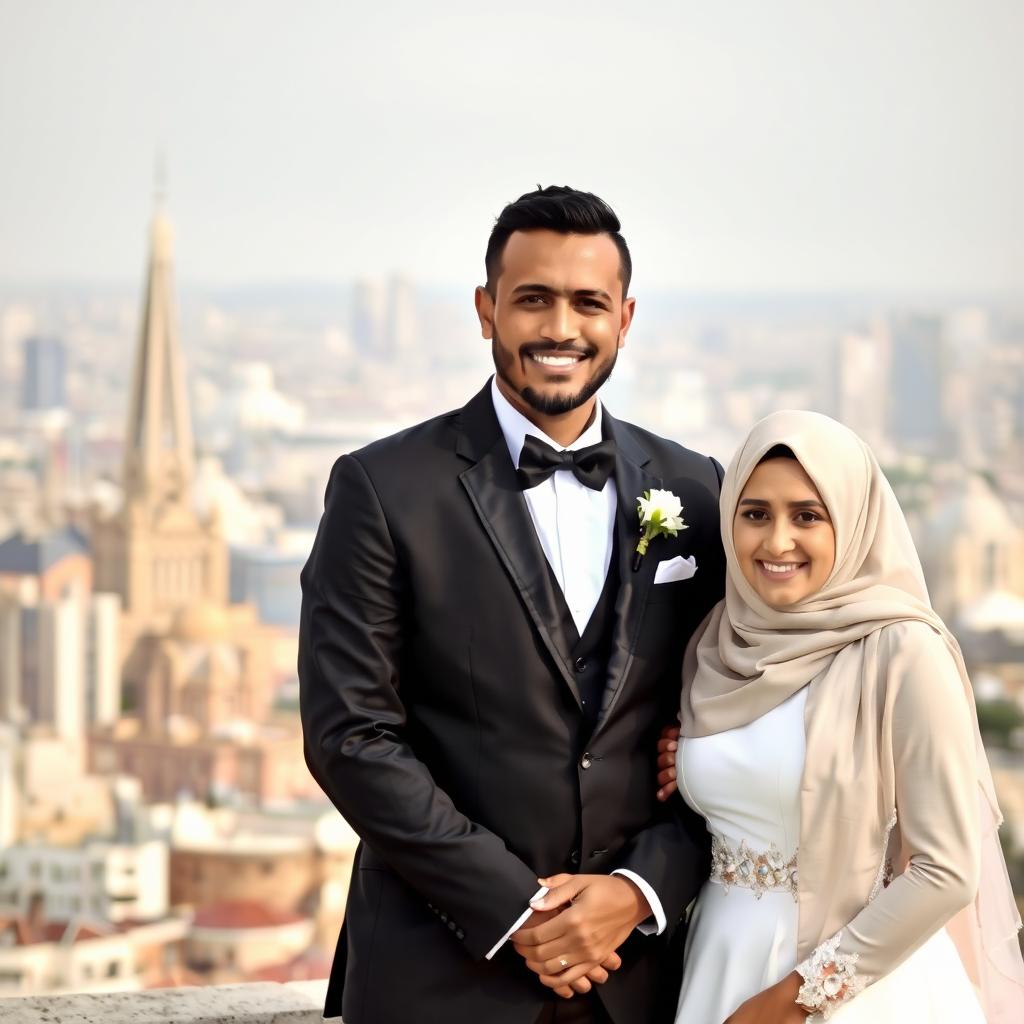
point(485, 311)
point(628, 309)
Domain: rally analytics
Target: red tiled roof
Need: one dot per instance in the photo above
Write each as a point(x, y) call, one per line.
point(311, 966)
point(49, 931)
point(23, 935)
point(241, 914)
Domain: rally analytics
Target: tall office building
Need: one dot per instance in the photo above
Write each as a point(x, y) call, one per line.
point(58, 640)
point(861, 394)
point(369, 316)
point(401, 325)
point(44, 374)
point(918, 374)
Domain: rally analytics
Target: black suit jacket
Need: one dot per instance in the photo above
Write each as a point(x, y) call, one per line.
point(441, 716)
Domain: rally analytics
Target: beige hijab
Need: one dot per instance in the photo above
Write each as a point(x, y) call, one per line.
point(750, 657)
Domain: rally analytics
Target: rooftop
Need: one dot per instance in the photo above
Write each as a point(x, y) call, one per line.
point(32, 556)
point(234, 915)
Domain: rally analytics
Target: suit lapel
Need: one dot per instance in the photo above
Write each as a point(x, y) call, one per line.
point(498, 500)
point(631, 480)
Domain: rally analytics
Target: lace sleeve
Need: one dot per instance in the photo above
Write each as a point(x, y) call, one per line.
point(830, 979)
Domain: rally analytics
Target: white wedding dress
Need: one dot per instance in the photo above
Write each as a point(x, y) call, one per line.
point(746, 784)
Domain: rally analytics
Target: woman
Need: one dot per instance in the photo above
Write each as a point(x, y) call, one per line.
point(829, 739)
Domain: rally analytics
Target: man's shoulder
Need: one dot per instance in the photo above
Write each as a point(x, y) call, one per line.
point(411, 444)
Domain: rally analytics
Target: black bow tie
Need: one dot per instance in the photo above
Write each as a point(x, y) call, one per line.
point(591, 466)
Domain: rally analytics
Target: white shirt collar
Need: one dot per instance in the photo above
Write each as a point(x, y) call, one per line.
point(515, 426)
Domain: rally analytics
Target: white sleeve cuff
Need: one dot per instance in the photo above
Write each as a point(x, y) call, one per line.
point(519, 922)
point(648, 927)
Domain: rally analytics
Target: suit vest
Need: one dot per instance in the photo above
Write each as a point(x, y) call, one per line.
point(589, 654)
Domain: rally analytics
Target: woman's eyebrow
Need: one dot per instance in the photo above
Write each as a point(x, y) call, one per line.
point(808, 503)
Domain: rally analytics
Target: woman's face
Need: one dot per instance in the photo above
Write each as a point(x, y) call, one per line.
point(782, 533)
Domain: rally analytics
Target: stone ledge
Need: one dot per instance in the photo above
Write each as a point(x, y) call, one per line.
point(298, 1002)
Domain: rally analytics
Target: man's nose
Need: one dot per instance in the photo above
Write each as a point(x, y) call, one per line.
point(561, 323)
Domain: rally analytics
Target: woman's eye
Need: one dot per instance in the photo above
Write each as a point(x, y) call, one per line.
point(808, 517)
point(755, 515)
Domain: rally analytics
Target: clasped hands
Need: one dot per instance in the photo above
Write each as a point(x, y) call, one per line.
point(570, 939)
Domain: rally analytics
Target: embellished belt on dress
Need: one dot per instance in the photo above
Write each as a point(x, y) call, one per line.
point(761, 872)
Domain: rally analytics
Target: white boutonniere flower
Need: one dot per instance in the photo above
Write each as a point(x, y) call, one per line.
point(660, 515)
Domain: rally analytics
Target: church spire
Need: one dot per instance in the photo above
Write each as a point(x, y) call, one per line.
point(158, 436)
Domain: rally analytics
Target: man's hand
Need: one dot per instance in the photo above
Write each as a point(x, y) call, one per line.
point(600, 913)
point(598, 973)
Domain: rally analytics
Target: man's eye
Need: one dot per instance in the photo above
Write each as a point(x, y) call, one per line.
point(532, 300)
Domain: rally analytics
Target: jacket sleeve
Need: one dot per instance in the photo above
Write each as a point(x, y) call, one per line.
point(354, 613)
point(673, 856)
point(937, 814)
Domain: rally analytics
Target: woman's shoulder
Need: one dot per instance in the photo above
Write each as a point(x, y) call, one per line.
point(911, 636)
point(919, 655)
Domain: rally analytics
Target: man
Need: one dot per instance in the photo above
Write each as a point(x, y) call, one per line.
point(485, 664)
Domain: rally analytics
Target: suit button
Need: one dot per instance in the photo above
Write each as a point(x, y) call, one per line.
point(574, 858)
point(444, 917)
point(460, 934)
point(580, 664)
point(586, 761)
point(452, 925)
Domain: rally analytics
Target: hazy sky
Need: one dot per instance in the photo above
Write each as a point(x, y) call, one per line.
point(772, 143)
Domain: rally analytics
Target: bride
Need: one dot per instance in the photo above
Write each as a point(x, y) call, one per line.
point(829, 739)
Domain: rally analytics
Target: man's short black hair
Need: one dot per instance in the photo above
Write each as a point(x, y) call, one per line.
point(556, 208)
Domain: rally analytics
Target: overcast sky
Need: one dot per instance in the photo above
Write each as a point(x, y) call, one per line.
point(798, 144)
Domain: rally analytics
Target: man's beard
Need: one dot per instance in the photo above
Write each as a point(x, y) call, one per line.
point(550, 405)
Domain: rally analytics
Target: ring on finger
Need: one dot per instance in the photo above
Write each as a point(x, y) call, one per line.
point(563, 963)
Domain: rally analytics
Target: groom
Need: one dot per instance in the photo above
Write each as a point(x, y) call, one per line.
point(485, 667)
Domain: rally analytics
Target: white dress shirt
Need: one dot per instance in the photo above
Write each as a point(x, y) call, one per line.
point(576, 528)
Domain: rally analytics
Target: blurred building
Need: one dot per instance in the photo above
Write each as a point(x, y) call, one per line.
point(50, 957)
point(861, 392)
point(385, 322)
point(59, 660)
point(229, 940)
point(198, 672)
point(10, 784)
point(97, 880)
point(971, 547)
point(44, 374)
point(918, 382)
point(297, 864)
point(155, 551)
point(369, 315)
point(242, 762)
point(268, 576)
point(402, 325)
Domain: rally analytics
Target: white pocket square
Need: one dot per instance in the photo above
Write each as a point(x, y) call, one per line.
point(674, 569)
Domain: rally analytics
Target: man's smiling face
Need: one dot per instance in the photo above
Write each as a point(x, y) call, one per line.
point(556, 318)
